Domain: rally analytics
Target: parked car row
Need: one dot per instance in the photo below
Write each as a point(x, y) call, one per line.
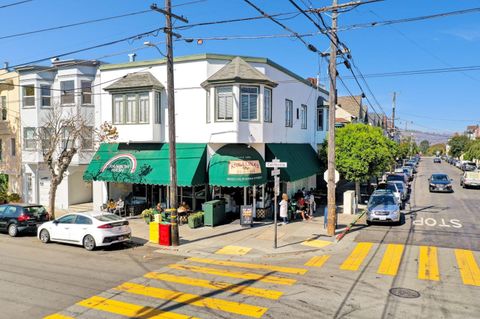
point(88, 229)
point(466, 166)
point(387, 201)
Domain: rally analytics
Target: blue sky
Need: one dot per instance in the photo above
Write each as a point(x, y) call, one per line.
point(444, 102)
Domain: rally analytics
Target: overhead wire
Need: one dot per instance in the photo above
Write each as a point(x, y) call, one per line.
point(14, 4)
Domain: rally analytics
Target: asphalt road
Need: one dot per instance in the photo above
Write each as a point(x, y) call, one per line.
point(37, 279)
point(450, 220)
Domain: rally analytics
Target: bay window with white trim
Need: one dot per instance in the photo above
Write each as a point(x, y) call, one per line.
point(249, 103)
point(134, 108)
point(267, 105)
point(224, 103)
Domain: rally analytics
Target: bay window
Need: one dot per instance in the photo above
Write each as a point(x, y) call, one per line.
point(249, 103)
point(224, 103)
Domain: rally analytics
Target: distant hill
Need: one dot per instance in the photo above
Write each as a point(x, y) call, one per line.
point(433, 138)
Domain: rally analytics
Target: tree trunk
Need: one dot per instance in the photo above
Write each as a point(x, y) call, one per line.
point(357, 191)
point(51, 198)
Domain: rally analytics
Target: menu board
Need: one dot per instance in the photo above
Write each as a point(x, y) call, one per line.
point(246, 215)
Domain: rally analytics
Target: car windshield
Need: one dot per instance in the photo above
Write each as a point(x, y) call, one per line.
point(108, 217)
point(395, 178)
point(381, 200)
point(399, 186)
point(475, 175)
point(391, 187)
point(440, 178)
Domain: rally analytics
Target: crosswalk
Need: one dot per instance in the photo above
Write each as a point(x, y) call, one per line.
point(393, 255)
point(224, 288)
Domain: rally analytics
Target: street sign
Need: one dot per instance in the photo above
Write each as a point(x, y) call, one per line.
point(273, 164)
point(276, 186)
point(337, 176)
point(275, 172)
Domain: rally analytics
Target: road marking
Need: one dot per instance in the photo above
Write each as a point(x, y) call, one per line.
point(57, 316)
point(128, 309)
point(391, 260)
point(428, 264)
point(468, 267)
point(194, 300)
point(317, 261)
point(233, 250)
point(356, 258)
point(239, 275)
point(316, 243)
point(288, 270)
point(217, 285)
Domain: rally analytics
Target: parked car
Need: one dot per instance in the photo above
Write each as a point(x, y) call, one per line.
point(440, 183)
point(458, 164)
point(469, 166)
point(393, 188)
point(21, 218)
point(403, 190)
point(412, 165)
point(90, 229)
point(437, 160)
point(470, 179)
point(398, 177)
point(408, 170)
point(383, 207)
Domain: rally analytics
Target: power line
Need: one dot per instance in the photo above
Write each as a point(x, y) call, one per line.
point(15, 4)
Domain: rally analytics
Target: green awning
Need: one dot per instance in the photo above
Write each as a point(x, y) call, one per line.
point(302, 160)
point(237, 165)
point(147, 163)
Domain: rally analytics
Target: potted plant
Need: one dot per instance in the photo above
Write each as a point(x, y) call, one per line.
point(147, 215)
point(195, 220)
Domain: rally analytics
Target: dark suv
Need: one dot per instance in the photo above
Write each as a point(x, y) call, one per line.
point(17, 218)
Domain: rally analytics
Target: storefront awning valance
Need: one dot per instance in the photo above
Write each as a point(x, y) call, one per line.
point(237, 165)
point(147, 163)
point(302, 160)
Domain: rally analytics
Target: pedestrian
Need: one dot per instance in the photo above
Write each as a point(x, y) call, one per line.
point(111, 206)
point(284, 208)
point(311, 204)
point(302, 208)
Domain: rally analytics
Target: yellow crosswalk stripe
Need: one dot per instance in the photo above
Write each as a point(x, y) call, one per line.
point(468, 267)
point(391, 260)
point(288, 270)
point(57, 316)
point(233, 274)
point(316, 243)
point(357, 256)
point(317, 261)
point(194, 300)
point(217, 285)
point(428, 264)
point(128, 309)
point(233, 250)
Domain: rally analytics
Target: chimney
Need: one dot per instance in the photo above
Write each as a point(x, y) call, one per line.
point(5, 65)
point(131, 57)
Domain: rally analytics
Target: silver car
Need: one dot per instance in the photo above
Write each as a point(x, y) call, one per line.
point(383, 207)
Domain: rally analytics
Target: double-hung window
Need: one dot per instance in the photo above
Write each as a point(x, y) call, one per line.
point(224, 103)
point(134, 108)
point(288, 113)
point(67, 92)
point(143, 107)
point(45, 137)
point(249, 103)
point(320, 118)
point(87, 138)
point(13, 147)
point(267, 105)
point(303, 116)
point(29, 138)
point(28, 95)
point(158, 108)
point(67, 138)
point(3, 108)
point(86, 92)
point(46, 94)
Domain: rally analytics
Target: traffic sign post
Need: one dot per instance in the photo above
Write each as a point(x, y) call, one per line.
point(276, 165)
point(337, 176)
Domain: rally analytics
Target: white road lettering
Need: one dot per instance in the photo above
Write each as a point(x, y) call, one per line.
point(443, 224)
point(456, 223)
point(431, 222)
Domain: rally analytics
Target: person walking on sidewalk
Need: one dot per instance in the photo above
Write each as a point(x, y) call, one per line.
point(284, 208)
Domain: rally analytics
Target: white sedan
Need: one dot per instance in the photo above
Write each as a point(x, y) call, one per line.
point(89, 229)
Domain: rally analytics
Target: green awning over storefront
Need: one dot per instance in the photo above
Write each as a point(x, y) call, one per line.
point(147, 163)
point(302, 160)
point(237, 165)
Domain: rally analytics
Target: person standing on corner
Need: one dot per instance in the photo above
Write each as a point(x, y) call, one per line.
point(284, 208)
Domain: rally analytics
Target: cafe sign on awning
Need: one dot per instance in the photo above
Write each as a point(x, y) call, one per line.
point(244, 167)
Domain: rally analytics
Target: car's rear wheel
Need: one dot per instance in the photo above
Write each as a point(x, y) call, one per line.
point(89, 242)
point(369, 222)
point(45, 236)
point(13, 230)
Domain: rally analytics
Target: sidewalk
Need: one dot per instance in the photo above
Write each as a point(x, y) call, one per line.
point(293, 238)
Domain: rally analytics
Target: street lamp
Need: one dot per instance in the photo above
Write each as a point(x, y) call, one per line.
point(153, 45)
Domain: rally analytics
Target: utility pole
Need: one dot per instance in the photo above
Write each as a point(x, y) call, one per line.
point(332, 103)
point(171, 115)
point(394, 104)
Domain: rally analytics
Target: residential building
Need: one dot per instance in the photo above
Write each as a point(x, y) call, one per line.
point(67, 85)
point(10, 151)
point(473, 132)
point(232, 113)
point(354, 106)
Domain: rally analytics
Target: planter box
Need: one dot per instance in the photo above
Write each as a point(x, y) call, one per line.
point(195, 221)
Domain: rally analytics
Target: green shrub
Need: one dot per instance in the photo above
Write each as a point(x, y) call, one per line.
point(14, 197)
point(195, 220)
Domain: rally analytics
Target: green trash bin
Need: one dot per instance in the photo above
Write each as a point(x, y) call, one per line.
point(214, 213)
